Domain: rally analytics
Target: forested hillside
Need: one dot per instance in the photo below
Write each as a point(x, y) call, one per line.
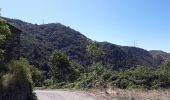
point(38, 42)
point(159, 55)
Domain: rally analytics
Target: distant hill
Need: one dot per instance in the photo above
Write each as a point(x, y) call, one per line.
point(159, 55)
point(38, 42)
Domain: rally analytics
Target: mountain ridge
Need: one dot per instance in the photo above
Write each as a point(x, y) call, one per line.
point(38, 41)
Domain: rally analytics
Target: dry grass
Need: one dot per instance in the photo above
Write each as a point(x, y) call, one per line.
point(134, 94)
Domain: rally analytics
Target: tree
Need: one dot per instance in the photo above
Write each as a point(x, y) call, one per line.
point(98, 75)
point(162, 75)
point(4, 31)
point(61, 68)
point(94, 51)
point(37, 76)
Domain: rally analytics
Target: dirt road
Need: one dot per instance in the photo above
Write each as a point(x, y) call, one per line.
point(64, 95)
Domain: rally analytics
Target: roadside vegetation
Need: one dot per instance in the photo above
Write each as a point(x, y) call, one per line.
point(64, 74)
point(18, 77)
point(15, 76)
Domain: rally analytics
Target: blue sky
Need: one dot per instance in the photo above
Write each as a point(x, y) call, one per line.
point(117, 21)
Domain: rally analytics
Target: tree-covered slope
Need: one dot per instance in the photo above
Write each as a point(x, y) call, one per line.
point(38, 42)
point(159, 56)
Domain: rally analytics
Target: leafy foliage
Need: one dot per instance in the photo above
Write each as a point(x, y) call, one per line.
point(20, 69)
point(143, 77)
point(37, 76)
point(97, 77)
point(4, 31)
point(135, 77)
point(163, 75)
point(17, 83)
point(94, 51)
point(61, 68)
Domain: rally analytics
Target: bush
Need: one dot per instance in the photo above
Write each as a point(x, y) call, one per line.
point(48, 82)
point(97, 77)
point(135, 77)
point(21, 70)
point(37, 77)
point(61, 68)
point(162, 76)
point(17, 83)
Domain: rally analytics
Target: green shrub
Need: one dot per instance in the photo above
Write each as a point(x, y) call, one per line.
point(162, 76)
point(61, 68)
point(17, 83)
point(48, 82)
point(37, 77)
point(21, 70)
point(97, 77)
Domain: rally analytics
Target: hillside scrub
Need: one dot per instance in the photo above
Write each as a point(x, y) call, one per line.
point(16, 83)
point(135, 77)
point(37, 76)
point(143, 77)
point(97, 77)
point(100, 75)
point(39, 41)
point(62, 71)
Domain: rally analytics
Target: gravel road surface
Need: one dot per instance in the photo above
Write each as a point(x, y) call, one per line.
point(64, 95)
